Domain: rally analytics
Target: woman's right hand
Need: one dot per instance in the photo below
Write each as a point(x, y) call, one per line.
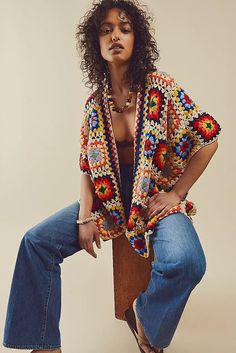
point(87, 234)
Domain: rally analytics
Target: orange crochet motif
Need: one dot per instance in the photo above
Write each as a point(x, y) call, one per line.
point(169, 129)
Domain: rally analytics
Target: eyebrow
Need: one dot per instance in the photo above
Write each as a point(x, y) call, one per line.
point(110, 23)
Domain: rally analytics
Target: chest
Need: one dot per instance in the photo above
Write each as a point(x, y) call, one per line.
point(123, 124)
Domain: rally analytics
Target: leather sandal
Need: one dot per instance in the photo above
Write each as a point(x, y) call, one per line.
point(131, 321)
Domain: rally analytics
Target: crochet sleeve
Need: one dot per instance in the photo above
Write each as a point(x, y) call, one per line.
point(84, 133)
point(189, 128)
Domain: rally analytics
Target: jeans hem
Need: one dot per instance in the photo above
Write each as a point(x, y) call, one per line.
point(32, 346)
point(163, 345)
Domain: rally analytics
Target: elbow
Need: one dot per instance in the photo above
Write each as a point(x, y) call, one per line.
point(214, 146)
point(215, 143)
point(211, 149)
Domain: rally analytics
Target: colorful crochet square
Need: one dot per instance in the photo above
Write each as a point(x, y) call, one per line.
point(155, 105)
point(206, 126)
point(159, 157)
point(104, 188)
point(96, 156)
point(183, 146)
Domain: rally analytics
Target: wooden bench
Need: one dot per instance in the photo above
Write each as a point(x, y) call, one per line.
point(131, 274)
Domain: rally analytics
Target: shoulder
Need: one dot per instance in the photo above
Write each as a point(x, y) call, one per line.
point(90, 101)
point(160, 79)
point(91, 105)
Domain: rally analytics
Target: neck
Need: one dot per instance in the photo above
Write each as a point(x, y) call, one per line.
point(119, 87)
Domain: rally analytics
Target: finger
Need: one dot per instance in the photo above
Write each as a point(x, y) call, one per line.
point(153, 200)
point(81, 242)
point(97, 240)
point(158, 202)
point(156, 210)
point(163, 212)
point(91, 250)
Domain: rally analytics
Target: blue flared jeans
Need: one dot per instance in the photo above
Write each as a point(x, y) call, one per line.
point(34, 305)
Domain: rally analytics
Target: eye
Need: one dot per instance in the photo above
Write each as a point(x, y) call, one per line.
point(126, 30)
point(105, 30)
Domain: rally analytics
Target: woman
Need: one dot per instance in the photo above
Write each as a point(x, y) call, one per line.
point(144, 143)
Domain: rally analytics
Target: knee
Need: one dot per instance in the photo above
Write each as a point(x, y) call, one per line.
point(195, 266)
point(30, 241)
point(38, 249)
point(35, 238)
point(28, 247)
point(191, 266)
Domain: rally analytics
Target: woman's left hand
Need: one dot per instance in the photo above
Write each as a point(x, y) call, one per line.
point(160, 203)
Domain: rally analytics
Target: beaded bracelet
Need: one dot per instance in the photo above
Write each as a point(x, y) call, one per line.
point(83, 221)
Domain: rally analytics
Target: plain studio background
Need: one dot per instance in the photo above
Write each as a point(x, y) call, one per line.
point(42, 99)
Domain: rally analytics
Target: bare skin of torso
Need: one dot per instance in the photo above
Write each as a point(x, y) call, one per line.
point(123, 129)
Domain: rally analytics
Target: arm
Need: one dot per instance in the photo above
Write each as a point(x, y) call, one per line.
point(194, 169)
point(160, 203)
point(88, 232)
point(192, 140)
point(86, 196)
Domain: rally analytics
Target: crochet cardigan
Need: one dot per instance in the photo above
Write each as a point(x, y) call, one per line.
point(169, 129)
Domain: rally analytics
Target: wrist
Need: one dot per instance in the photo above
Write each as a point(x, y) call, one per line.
point(178, 193)
point(84, 220)
point(84, 214)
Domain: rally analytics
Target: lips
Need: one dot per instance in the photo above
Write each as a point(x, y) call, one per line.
point(116, 46)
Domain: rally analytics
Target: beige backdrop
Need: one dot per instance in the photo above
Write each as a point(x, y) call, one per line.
point(42, 97)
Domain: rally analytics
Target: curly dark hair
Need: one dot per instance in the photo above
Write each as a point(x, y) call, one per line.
point(145, 51)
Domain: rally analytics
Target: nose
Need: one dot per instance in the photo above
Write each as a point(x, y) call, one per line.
point(114, 37)
point(115, 34)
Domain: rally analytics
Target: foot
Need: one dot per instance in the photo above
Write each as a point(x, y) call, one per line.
point(141, 335)
point(142, 339)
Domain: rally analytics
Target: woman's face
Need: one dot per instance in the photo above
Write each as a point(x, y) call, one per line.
point(116, 37)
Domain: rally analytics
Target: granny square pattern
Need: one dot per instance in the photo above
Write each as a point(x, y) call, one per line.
point(169, 129)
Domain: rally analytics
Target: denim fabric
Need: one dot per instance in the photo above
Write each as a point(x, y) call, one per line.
point(179, 265)
point(34, 306)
